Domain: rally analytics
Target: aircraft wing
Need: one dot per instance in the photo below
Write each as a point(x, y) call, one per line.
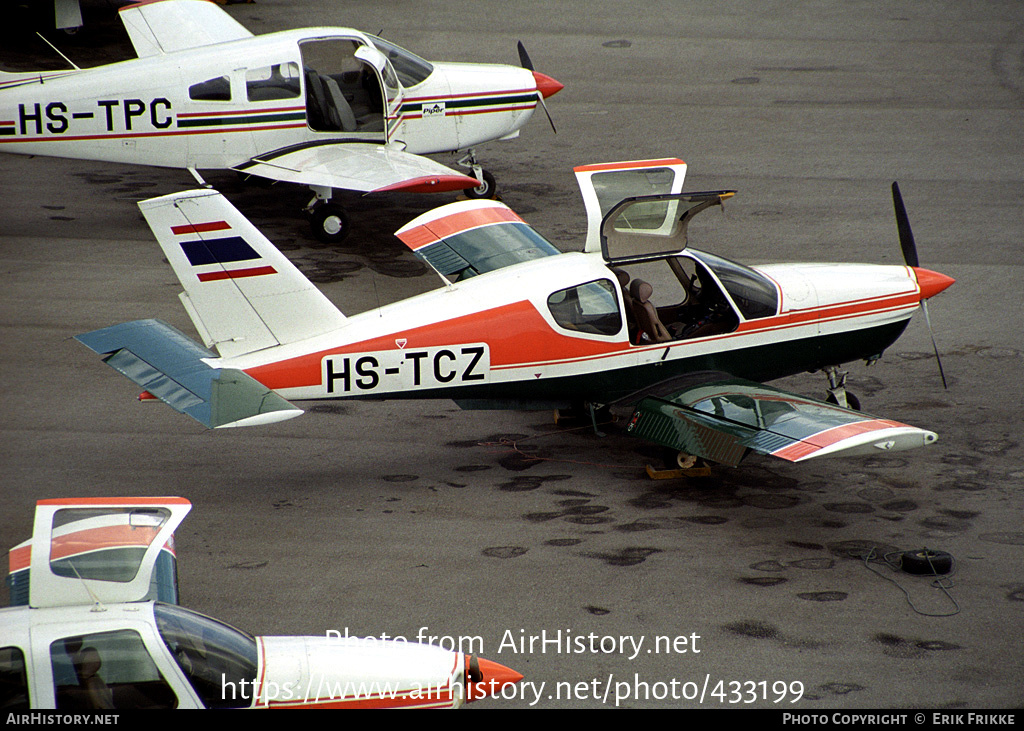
point(722, 420)
point(165, 26)
point(363, 166)
point(472, 237)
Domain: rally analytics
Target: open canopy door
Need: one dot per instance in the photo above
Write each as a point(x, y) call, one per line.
point(605, 185)
point(653, 225)
point(71, 562)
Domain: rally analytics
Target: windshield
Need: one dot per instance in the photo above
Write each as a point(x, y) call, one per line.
point(410, 68)
point(219, 660)
point(754, 294)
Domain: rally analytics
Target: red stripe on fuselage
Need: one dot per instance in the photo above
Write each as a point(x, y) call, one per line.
point(518, 336)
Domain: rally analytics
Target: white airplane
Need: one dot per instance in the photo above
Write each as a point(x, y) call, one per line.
point(330, 108)
point(98, 627)
point(684, 338)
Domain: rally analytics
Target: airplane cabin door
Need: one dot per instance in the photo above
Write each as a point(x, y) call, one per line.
point(394, 92)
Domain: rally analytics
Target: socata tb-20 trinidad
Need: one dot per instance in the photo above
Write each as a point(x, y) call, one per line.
point(682, 337)
point(324, 107)
point(96, 625)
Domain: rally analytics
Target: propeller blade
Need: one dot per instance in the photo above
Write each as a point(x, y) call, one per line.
point(935, 347)
point(903, 227)
point(546, 86)
point(540, 98)
point(524, 57)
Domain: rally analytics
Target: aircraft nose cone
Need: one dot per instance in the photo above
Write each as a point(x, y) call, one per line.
point(486, 677)
point(546, 85)
point(931, 283)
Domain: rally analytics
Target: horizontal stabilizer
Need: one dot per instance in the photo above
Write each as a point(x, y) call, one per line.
point(722, 421)
point(170, 366)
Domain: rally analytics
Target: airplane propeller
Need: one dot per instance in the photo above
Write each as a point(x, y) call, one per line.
point(546, 86)
point(909, 248)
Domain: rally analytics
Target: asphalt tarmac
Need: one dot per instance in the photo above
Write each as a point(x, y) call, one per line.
point(763, 582)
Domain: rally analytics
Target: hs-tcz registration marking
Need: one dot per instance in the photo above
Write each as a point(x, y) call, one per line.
point(398, 370)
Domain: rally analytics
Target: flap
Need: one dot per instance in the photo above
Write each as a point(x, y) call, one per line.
point(71, 560)
point(605, 184)
point(362, 166)
point(723, 420)
point(165, 26)
point(466, 238)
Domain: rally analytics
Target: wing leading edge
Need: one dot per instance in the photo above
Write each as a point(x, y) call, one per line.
point(723, 420)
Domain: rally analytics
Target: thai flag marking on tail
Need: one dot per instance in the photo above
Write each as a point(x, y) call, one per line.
point(225, 250)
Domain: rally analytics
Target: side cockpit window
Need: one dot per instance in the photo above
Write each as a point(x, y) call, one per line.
point(279, 81)
point(107, 670)
point(212, 90)
point(588, 308)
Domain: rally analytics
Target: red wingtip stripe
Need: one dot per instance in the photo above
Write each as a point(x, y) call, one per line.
point(236, 274)
point(827, 438)
point(431, 184)
point(198, 228)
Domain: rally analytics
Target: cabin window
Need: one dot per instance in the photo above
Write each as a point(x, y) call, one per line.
point(13, 682)
point(107, 670)
point(589, 308)
point(211, 90)
point(280, 81)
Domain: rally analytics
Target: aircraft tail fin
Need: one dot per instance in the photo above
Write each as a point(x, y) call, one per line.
point(169, 366)
point(242, 294)
point(165, 26)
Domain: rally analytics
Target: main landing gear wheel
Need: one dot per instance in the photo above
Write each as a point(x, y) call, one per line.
point(486, 189)
point(329, 223)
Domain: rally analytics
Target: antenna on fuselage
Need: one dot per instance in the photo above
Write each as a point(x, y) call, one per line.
point(57, 50)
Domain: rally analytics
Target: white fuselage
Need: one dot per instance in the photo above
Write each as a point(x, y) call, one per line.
point(221, 105)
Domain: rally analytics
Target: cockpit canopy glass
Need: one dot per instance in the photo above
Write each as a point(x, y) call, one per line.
point(219, 660)
point(410, 68)
point(754, 294)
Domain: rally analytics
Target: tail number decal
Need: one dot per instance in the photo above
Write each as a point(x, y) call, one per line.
point(404, 370)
